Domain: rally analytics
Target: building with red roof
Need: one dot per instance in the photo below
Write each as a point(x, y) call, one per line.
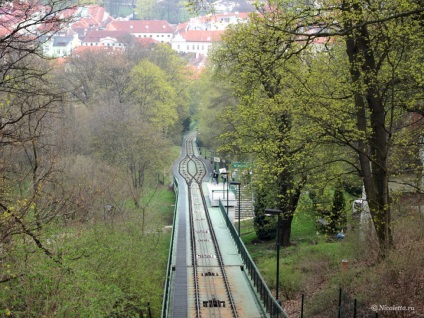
point(198, 34)
point(158, 30)
point(195, 41)
point(106, 38)
point(90, 18)
point(219, 21)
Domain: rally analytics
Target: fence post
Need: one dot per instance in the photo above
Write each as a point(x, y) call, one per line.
point(354, 308)
point(340, 303)
point(301, 307)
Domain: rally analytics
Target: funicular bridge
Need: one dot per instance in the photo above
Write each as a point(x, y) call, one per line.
point(209, 273)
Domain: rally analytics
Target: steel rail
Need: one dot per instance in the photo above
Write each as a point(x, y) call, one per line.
point(220, 261)
point(196, 177)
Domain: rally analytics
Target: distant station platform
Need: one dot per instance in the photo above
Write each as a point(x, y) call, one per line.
point(220, 192)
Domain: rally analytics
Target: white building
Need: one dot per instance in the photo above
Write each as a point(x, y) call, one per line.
point(158, 30)
point(195, 41)
point(105, 38)
point(60, 45)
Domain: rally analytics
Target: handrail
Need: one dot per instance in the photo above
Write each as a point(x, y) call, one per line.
point(165, 300)
point(271, 304)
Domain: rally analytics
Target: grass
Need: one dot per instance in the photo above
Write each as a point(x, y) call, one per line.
point(312, 266)
point(311, 259)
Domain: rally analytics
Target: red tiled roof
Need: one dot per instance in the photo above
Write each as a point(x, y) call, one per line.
point(201, 35)
point(68, 13)
point(142, 26)
point(181, 27)
point(97, 13)
point(95, 35)
point(81, 24)
point(97, 17)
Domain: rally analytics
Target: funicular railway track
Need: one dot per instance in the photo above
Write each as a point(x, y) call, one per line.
point(209, 285)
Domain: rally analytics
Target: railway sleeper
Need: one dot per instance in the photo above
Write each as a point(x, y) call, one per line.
point(210, 274)
point(214, 303)
point(206, 256)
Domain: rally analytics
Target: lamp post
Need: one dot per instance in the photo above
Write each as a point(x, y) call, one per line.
point(238, 205)
point(227, 197)
point(224, 176)
point(278, 213)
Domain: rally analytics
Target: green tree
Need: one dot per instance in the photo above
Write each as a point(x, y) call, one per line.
point(153, 95)
point(265, 123)
point(146, 9)
point(370, 57)
point(209, 98)
point(265, 226)
point(338, 212)
point(366, 107)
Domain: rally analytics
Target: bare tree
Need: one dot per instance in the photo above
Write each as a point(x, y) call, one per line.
point(29, 102)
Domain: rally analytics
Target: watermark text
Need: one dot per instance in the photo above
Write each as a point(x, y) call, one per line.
point(391, 308)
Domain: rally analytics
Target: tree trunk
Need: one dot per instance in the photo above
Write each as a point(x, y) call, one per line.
point(373, 147)
point(285, 230)
point(289, 193)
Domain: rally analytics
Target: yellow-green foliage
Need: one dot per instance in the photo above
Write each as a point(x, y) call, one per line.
point(325, 93)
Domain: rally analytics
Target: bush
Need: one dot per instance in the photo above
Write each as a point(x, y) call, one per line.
point(265, 227)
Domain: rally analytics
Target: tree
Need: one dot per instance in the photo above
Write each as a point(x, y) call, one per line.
point(209, 99)
point(371, 86)
point(265, 228)
point(136, 100)
point(29, 102)
point(383, 51)
point(338, 212)
point(265, 122)
point(146, 9)
point(153, 95)
point(175, 73)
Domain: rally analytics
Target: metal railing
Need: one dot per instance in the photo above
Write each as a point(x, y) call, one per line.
point(166, 294)
point(270, 303)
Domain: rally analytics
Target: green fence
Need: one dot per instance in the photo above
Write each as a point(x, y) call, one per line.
point(165, 301)
point(270, 303)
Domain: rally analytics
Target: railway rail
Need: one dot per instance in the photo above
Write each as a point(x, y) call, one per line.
point(209, 281)
point(210, 272)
